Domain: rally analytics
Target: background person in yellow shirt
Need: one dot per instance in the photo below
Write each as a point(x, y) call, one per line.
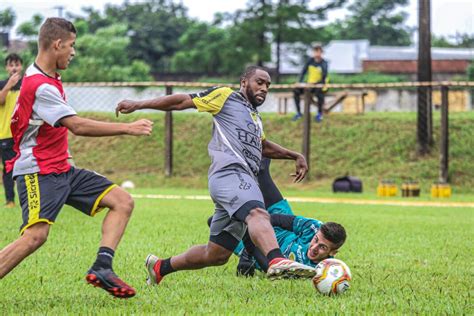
point(316, 71)
point(9, 91)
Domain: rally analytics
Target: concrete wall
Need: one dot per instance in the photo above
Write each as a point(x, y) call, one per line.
point(397, 100)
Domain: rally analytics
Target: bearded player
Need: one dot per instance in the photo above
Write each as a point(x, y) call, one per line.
point(236, 149)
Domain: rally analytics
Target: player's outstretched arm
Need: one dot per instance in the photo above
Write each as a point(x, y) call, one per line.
point(284, 221)
point(275, 151)
point(175, 102)
point(86, 127)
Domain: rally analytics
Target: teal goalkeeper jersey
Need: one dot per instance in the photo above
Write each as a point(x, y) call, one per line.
point(295, 244)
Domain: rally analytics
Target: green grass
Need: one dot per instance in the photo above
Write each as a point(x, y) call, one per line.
point(404, 260)
point(373, 146)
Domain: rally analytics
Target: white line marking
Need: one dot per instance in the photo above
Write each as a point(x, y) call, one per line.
point(319, 200)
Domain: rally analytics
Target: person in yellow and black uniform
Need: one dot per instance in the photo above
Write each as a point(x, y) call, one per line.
point(316, 71)
point(9, 91)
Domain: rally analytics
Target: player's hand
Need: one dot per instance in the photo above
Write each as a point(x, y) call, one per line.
point(13, 80)
point(140, 127)
point(126, 106)
point(301, 168)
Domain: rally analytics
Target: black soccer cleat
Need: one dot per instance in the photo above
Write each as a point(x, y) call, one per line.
point(107, 279)
point(246, 266)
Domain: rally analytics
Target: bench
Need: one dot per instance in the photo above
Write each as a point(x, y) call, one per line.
point(339, 96)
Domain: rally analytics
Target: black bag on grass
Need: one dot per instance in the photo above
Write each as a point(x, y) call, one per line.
point(347, 184)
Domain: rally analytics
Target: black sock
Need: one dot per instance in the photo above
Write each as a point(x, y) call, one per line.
point(166, 267)
point(104, 258)
point(275, 253)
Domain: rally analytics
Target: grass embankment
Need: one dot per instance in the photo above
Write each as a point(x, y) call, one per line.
point(373, 146)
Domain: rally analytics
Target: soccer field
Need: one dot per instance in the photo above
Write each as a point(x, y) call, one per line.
point(404, 260)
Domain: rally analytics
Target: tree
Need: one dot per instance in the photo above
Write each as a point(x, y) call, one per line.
point(201, 50)
point(154, 28)
point(375, 20)
point(251, 28)
point(264, 22)
point(459, 40)
point(30, 29)
point(213, 50)
point(293, 21)
point(7, 20)
point(100, 57)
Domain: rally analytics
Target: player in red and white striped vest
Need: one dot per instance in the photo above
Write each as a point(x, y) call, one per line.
point(45, 179)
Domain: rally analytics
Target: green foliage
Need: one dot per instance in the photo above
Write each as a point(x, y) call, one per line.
point(264, 22)
point(459, 40)
point(7, 19)
point(158, 34)
point(404, 261)
point(223, 49)
point(203, 49)
point(101, 57)
point(375, 20)
point(154, 28)
point(3, 55)
point(30, 29)
point(249, 29)
point(293, 21)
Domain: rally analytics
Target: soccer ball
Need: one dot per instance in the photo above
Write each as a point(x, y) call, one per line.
point(332, 277)
point(127, 184)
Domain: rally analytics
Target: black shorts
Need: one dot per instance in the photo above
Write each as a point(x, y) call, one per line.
point(43, 196)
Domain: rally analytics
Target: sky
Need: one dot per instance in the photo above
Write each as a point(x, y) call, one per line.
point(448, 16)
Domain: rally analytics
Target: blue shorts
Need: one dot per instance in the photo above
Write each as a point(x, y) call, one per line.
point(43, 196)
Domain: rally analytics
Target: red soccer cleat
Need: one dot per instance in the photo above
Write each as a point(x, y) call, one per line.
point(153, 265)
point(106, 279)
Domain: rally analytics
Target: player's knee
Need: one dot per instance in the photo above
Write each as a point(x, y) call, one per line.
point(129, 204)
point(217, 256)
point(220, 258)
point(125, 204)
point(258, 214)
point(36, 237)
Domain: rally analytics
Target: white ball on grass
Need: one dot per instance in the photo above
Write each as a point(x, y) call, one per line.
point(127, 184)
point(332, 277)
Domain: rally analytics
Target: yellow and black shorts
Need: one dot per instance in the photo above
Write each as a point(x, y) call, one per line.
point(43, 196)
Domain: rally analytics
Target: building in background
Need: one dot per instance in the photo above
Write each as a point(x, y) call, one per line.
point(350, 57)
point(446, 62)
point(358, 56)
